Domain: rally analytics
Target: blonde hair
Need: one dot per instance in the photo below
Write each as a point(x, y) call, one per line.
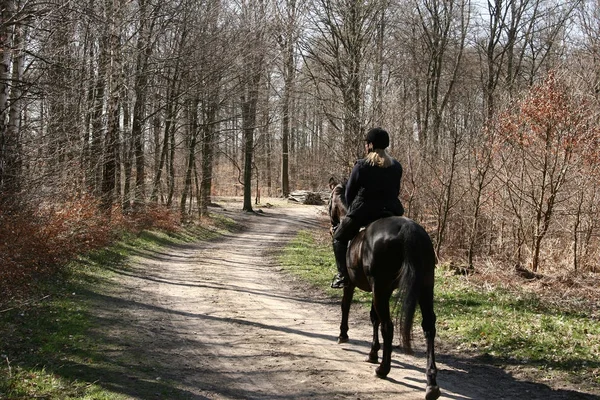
point(379, 158)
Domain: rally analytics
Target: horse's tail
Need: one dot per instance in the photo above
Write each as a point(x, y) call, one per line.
point(419, 257)
point(408, 297)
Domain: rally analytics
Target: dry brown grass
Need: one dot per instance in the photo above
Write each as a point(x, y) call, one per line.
point(38, 240)
point(575, 290)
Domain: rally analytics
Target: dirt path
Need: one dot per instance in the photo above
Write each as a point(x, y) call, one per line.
point(220, 320)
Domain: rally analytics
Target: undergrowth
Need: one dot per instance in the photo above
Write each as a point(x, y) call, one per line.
point(38, 239)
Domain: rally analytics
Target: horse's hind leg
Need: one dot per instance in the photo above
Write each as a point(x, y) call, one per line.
point(346, 303)
point(381, 303)
point(426, 303)
point(375, 346)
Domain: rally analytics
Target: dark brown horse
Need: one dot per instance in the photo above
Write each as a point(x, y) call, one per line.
point(391, 253)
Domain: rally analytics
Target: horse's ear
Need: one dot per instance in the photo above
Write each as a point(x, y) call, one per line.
point(332, 182)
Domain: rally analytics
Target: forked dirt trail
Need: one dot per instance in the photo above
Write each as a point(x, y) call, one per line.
point(220, 320)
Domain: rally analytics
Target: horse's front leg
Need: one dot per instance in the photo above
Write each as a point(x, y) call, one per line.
point(375, 346)
point(346, 303)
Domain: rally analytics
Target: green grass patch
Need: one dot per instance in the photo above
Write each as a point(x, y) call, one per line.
point(518, 327)
point(512, 327)
point(313, 261)
point(46, 350)
point(43, 340)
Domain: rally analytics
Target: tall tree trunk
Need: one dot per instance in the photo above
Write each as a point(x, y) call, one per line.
point(249, 101)
point(208, 144)
point(111, 139)
point(126, 151)
point(191, 159)
point(97, 148)
point(6, 14)
point(446, 202)
point(379, 61)
point(248, 124)
point(144, 51)
point(252, 73)
point(171, 165)
point(12, 144)
point(168, 147)
point(268, 151)
point(163, 153)
point(86, 158)
point(287, 44)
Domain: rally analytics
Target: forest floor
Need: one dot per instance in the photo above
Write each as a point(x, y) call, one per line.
point(221, 320)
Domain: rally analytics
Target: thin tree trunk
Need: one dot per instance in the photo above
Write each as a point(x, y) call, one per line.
point(198, 193)
point(248, 124)
point(88, 119)
point(379, 60)
point(171, 166)
point(289, 68)
point(446, 204)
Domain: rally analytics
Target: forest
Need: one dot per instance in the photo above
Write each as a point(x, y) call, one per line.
point(128, 113)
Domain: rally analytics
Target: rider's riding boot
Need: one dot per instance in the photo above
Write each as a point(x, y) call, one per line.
point(341, 278)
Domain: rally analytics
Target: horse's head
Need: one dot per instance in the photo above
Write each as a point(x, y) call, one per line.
point(337, 205)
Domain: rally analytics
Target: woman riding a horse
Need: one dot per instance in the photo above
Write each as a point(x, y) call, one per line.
point(394, 253)
point(371, 193)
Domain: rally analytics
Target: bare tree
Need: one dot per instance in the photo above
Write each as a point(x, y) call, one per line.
point(11, 47)
point(545, 134)
point(174, 101)
point(337, 51)
point(6, 15)
point(289, 15)
point(217, 64)
point(443, 52)
point(111, 139)
point(253, 25)
point(147, 20)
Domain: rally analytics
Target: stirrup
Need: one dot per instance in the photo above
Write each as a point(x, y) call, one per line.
point(339, 282)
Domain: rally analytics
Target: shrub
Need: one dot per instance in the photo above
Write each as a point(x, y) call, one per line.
point(36, 240)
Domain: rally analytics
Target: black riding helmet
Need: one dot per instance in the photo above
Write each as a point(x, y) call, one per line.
point(379, 137)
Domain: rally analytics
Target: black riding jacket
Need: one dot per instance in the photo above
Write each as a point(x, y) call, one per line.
point(372, 192)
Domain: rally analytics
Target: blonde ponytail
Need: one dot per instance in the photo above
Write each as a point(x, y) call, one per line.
point(379, 158)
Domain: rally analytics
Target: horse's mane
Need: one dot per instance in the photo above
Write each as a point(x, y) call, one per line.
point(338, 206)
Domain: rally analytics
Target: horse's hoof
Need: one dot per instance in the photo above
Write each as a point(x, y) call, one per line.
point(382, 372)
point(432, 392)
point(342, 340)
point(372, 360)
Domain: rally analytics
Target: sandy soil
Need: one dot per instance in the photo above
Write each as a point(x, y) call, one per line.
point(221, 320)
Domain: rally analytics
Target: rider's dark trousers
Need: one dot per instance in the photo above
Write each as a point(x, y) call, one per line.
point(346, 230)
